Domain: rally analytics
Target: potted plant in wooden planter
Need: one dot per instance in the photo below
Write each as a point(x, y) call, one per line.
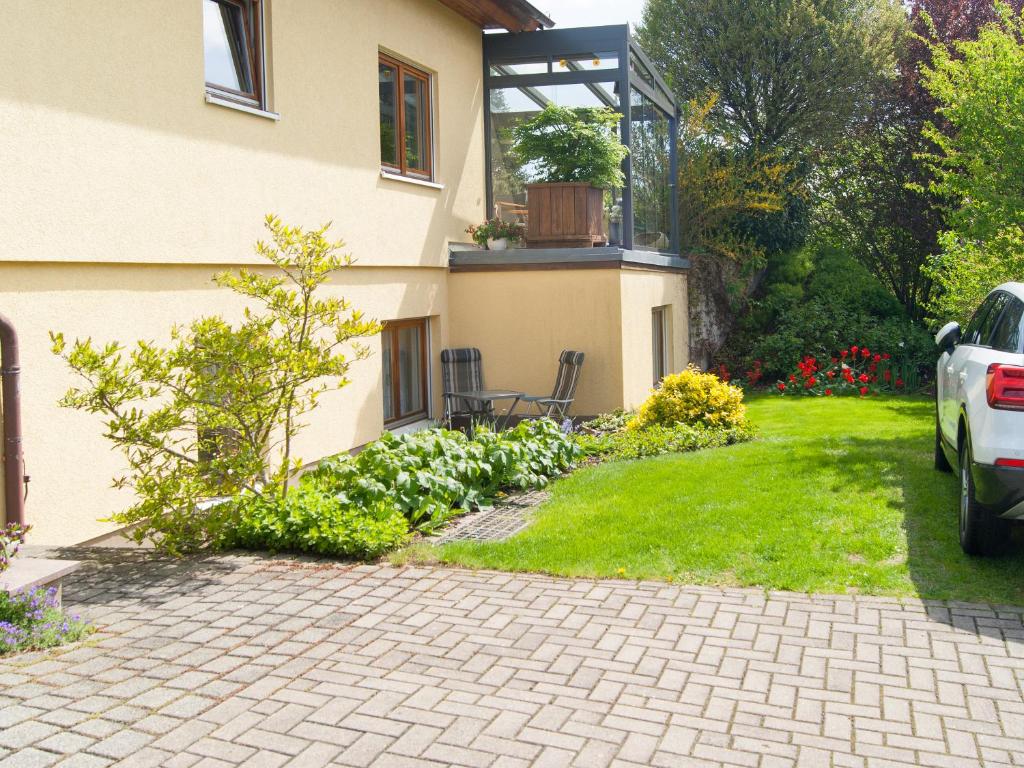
point(575, 156)
point(496, 234)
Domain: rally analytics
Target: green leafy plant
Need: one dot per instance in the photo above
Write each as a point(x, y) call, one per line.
point(215, 412)
point(692, 397)
point(495, 229)
point(565, 144)
point(656, 440)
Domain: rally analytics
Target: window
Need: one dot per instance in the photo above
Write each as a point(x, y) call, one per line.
point(659, 341)
point(404, 358)
point(970, 334)
point(233, 50)
point(1007, 334)
point(405, 124)
point(984, 335)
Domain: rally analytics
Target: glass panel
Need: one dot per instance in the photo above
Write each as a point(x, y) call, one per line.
point(985, 330)
point(387, 84)
point(640, 70)
point(417, 140)
point(650, 155)
point(970, 335)
point(511, 106)
point(1007, 335)
point(386, 353)
point(658, 343)
point(410, 370)
point(226, 46)
point(537, 66)
point(586, 62)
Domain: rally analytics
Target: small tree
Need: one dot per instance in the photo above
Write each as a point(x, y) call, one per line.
point(567, 144)
point(216, 411)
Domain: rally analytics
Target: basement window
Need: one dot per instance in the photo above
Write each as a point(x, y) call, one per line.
point(233, 51)
point(404, 360)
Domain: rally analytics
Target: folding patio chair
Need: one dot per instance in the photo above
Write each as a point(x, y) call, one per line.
point(461, 371)
point(558, 402)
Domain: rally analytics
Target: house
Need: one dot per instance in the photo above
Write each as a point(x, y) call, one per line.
point(142, 143)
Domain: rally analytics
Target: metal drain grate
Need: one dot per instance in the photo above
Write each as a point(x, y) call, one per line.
point(505, 519)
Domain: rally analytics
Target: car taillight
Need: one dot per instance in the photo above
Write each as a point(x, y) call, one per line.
point(1018, 463)
point(1005, 388)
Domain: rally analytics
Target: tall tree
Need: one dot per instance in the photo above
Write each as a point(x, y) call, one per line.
point(788, 73)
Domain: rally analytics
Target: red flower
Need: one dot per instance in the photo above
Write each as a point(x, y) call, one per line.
point(831, 374)
point(888, 375)
point(811, 381)
point(863, 391)
point(876, 358)
point(792, 378)
point(873, 367)
point(865, 352)
point(844, 353)
point(853, 349)
point(781, 386)
point(828, 392)
point(899, 382)
point(863, 378)
point(835, 360)
point(886, 356)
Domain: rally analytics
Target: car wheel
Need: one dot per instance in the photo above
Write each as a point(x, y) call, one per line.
point(981, 532)
point(941, 462)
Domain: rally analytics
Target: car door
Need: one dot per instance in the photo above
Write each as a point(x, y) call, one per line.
point(953, 366)
point(970, 368)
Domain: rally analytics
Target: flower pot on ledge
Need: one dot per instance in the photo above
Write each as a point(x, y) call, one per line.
point(565, 215)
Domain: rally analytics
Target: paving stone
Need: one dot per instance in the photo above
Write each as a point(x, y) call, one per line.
point(242, 660)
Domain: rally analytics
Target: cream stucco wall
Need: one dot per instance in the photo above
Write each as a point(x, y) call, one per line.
point(109, 152)
point(123, 191)
point(522, 320)
point(69, 461)
point(642, 291)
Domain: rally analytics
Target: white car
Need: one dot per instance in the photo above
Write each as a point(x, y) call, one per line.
point(979, 421)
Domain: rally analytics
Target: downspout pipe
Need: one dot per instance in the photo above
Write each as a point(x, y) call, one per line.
point(13, 458)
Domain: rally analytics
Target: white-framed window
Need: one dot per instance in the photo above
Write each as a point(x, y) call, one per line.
point(660, 347)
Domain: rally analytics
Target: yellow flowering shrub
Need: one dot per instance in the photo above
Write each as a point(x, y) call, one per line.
point(692, 397)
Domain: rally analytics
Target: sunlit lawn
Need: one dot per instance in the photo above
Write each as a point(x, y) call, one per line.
point(835, 496)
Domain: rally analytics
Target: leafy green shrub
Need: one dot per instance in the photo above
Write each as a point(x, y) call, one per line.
point(567, 144)
point(364, 505)
point(680, 438)
point(691, 397)
point(32, 620)
point(309, 520)
point(817, 305)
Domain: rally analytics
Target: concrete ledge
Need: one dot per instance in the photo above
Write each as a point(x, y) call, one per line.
point(28, 573)
point(462, 259)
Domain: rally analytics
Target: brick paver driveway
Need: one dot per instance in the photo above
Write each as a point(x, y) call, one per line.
point(245, 661)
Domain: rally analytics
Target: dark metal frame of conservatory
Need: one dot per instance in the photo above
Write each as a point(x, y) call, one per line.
point(556, 44)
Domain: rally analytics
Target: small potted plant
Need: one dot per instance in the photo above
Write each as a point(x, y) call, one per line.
point(495, 234)
point(574, 156)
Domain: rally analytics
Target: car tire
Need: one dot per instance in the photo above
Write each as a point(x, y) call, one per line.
point(941, 462)
point(981, 532)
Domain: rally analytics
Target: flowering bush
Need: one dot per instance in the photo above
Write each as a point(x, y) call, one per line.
point(855, 370)
point(11, 538)
point(495, 229)
point(692, 397)
point(751, 378)
point(34, 619)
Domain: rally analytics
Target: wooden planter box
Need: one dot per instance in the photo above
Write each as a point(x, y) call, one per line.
point(569, 215)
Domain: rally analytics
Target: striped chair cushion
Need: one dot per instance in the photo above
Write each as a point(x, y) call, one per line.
point(570, 364)
point(461, 371)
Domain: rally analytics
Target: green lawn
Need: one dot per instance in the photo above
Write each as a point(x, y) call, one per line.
point(836, 495)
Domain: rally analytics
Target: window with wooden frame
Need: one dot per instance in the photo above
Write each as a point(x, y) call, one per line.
point(233, 50)
point(406, 142)
point(406, 372)
point(659, 343)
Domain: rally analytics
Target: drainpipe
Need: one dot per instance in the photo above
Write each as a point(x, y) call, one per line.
point(13, 459)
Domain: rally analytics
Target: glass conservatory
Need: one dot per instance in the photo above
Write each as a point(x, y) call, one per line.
point(587, 67)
